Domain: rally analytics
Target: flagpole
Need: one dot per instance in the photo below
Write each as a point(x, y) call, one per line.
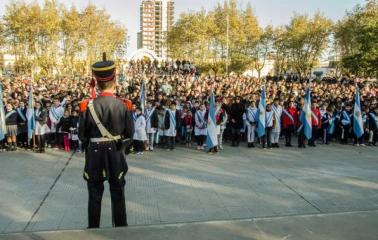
point(228, 41)
point(32, 107)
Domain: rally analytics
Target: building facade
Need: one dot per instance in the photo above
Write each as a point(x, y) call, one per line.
point(156, 19)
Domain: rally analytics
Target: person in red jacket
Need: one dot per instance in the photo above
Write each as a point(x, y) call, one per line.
point(316, 123)
point(188, 126)
point(289, 121)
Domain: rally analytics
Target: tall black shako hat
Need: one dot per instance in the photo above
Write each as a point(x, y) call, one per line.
point(104, 71)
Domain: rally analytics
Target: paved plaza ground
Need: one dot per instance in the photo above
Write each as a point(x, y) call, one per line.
point(239, 188)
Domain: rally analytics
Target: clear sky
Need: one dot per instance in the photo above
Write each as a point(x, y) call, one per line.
point(276, 12)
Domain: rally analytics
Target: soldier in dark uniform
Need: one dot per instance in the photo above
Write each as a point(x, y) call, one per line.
point(105, 157)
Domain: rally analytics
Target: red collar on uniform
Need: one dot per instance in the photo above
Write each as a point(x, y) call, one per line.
point(106, 94)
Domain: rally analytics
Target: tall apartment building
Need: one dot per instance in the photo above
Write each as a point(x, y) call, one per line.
point(156, 19)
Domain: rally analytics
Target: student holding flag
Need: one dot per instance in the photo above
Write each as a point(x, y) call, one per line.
point(358, 125)
point(30, 116)
point(262, 111)
point(316, 123)
point(305, 128)
point(222, 119)
point(346, 123)
point(212, 139)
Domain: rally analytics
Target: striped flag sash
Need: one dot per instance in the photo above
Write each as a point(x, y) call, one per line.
point(21, 114)
point(173, 118)
point(288, 115)
point(149, 114)
point(9, 114)
point(315, 118)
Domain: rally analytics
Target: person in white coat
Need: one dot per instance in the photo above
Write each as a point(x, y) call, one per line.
point(221, 120)
point(200, 129)
point(172, 124)
point(152, 123)
point(252, 116)
point(277, 113)
point(140, 134)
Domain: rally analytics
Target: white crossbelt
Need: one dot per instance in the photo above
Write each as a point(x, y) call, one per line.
point(103, 139)
point(106, 135)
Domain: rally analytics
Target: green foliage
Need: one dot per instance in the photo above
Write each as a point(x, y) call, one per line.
point(202, 37)
point(51, 38)
point(306, 38)
point(357, 39)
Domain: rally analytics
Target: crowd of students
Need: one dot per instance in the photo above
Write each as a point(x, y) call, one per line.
point(176, 106)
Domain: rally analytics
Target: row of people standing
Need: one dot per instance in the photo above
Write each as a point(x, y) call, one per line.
point(168, 123)
point(55, 126)
point(164, 125)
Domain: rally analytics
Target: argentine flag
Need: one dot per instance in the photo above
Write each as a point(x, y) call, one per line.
point(142, 96)
point(306, 115)
point(262, 109)
point(3, 127)
point(212, 139)
point(30, 114)
point(358, 127)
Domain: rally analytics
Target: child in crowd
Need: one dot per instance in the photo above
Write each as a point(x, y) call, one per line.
point(200, 129)
point(41, 128)
point(188, 127)
point(63, 127)
point(140, 134)
point(152, 122)
point(11, 119)
point(74, 130)
point(172, 122)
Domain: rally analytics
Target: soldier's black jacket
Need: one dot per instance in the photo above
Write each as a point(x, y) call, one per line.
point(103, 161)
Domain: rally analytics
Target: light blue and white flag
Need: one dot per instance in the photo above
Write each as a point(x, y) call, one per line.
point(3, 127)
point(212, 138)
point(306, 115)
point(142, 96)
point(30, 114)
point(262, 113)
point(358, 127)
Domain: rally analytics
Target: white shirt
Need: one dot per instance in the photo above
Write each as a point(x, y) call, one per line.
point(140, 129)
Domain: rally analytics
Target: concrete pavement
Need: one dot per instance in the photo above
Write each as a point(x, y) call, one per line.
point(345, 226)
point(189, 186)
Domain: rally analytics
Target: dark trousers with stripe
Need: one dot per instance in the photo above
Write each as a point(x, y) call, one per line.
point(117, 194)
